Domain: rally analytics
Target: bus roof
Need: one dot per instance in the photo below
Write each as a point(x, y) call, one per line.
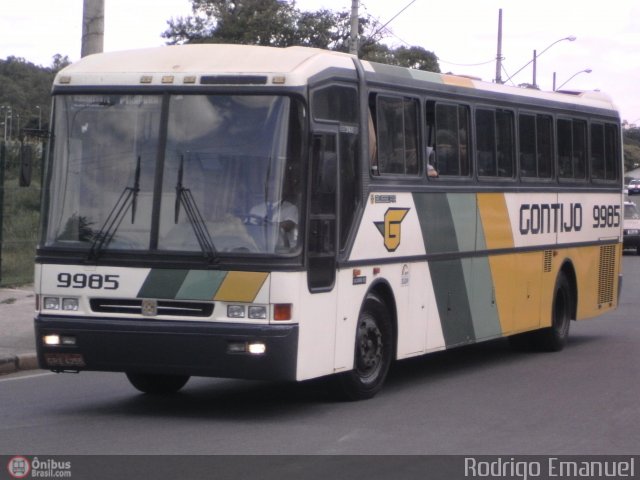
point(188, 64)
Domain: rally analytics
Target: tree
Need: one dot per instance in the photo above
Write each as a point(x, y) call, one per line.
point(25, 95)
point(631, 140)
point(279, 24)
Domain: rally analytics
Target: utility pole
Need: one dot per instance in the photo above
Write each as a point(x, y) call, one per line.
point(535, 69)
point(499, 54)
point(353, 44)
point(92, 27)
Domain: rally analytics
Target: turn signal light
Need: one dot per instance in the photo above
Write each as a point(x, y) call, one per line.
point(282, 312)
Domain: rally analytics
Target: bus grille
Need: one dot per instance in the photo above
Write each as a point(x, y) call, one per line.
point(606, 276)
point(164, 307)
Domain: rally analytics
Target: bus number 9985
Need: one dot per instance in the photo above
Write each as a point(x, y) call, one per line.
point(94, 281)
point(606, 216)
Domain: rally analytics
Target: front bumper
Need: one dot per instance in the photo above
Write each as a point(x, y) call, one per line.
point(167, 347)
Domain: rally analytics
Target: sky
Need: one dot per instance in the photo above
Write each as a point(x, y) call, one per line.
point(462, 34)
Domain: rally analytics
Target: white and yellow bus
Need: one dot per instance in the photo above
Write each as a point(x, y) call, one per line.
point(252, 212)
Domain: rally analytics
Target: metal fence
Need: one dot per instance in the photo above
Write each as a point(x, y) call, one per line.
point(19, 211)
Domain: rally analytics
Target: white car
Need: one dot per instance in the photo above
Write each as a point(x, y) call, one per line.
point(631, 227)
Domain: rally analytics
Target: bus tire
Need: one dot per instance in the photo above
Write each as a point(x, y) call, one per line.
point(372, 354)
point(554, 338)
point(157, 384)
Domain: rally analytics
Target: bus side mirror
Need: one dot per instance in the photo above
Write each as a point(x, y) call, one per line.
point(26, 161)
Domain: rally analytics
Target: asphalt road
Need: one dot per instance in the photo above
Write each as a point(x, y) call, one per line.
point(484, 399)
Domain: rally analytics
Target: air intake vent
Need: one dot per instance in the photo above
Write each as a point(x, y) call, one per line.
point(164, 307)
point(548, 257)
point(606, 274)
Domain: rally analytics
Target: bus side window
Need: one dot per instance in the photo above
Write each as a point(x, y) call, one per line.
point(397, 135)
point(495, 141)
point(611, 151)
point(572, 149)
point(451, 140)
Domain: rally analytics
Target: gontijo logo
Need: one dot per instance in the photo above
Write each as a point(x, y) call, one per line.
point(390, 227)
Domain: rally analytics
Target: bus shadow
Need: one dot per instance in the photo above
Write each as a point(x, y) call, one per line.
point(465, 360)
point(244, 400)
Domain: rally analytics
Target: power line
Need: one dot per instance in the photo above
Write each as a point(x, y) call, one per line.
point(467, 64)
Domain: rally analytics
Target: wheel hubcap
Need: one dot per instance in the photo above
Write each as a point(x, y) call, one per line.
point(369, 347)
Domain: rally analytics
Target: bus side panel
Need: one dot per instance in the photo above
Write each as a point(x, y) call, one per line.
point(317, 315)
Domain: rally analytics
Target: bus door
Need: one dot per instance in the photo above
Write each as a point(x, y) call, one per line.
point(322, 235)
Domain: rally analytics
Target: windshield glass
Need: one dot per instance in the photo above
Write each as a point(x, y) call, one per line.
point(229, 178)
point(98, 143)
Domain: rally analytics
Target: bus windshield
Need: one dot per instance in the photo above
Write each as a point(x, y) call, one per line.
point(213, 174)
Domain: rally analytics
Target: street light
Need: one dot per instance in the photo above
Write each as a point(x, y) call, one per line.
point(570, 38)
point(586, 70)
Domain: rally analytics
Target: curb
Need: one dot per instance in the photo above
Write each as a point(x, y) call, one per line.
point(15, 363)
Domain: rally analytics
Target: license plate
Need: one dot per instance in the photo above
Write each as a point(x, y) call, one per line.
point(64, 360)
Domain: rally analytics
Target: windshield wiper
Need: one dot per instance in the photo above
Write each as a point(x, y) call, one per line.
point(184, 198)
point(128, 197)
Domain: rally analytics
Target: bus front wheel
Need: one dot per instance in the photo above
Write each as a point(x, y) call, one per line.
point(157, 384)
point(373, 352)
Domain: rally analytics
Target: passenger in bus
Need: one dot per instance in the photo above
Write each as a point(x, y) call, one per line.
point(431, 160)
point(281, 213)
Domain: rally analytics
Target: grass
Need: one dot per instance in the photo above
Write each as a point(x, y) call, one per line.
point(20, 223)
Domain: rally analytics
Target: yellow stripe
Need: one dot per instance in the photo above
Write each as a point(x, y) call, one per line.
point(459, 81)
point(240, 286)
point(495, 220)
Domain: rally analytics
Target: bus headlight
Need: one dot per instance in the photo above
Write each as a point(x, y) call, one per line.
point(67, 304)
point(70, 304)
point(259, 313)
point(51, 303)
point(235, 311)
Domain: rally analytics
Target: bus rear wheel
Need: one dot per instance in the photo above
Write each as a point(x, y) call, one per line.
point(157, 384)
point(373, 352)
point(554, 338)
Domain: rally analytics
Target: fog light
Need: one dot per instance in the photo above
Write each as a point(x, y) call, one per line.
point(68, 341)
point(51, 340)
point(257, 348)
point(237, 348)
point(235, 311)
point(70, 304)
point(258, 313)
point(51, 303)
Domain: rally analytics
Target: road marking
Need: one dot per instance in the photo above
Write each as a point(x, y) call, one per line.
point(22, 377)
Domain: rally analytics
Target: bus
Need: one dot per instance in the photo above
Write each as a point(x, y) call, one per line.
point(289, 214)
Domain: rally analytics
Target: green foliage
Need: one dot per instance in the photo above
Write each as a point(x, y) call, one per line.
point(20, 219)
point(280, 24)
point(631, 139)
point(25, 91)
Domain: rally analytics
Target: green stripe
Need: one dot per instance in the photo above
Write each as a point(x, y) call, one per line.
point(453, 301)
point(200, 285)
point(162, 283)
point(449, 277)
point(464, 216)
point(486, 322)
point(436, 222)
